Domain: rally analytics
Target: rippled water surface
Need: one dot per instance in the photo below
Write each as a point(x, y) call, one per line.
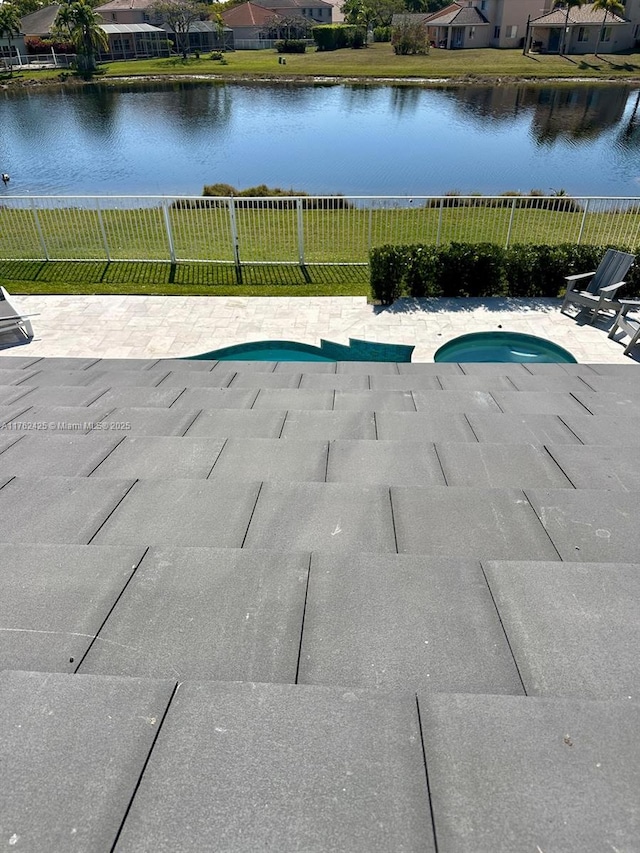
point(365, 140)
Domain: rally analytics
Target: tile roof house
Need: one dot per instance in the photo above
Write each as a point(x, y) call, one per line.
point(507, 23)
point(319, 606)
point(203, 35)
point(248, 21)
point(317, 11)
point(586, 31)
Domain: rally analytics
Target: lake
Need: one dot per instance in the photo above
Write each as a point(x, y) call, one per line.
point(352, 139)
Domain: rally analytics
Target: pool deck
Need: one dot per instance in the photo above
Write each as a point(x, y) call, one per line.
point(174, 326)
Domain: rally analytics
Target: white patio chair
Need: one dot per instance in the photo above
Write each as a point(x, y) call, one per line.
point(11, 320)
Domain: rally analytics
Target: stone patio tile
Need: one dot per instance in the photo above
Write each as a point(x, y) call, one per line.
point(406, 382)
point(322, 516)
point(72, 750)
point(551, 383)
point(329, 425)
point(348, 765)
point(398, 622)
point(16, 376)
point(426, 369)
point(487, 466)
point(191, 613)
point(199, 378)
point(513, 773)
point(240, 423)
point(586, 525)
point(383, 463)
point(491, 524)
point(476, 382)
point(200, 513)
point(574, 628)
point(367, 368)
point(306, 367)
point(492, 369)
point(53, 600)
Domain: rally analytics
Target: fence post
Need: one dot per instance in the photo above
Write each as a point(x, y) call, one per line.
point(439, 222)
point(234, 238)
point(167, 223)
point(370, 226)
point(513, 209)
point(584, 218)
point(102, 229)
point(43, 245)
point(303, 267)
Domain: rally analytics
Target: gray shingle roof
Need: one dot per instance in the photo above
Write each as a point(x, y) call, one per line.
point(364, 607)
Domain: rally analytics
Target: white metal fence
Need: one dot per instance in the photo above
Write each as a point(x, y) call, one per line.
point(296, 230)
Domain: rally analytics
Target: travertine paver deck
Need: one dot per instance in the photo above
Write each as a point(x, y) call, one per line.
point(163, 326)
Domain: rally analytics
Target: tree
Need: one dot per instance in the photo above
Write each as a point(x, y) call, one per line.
point(26, 7)
point(9, 27)
point(179, 15)
point(410, 37)
point(613, 7)
point(81, 25)
point(569, 4)
point(371, 13)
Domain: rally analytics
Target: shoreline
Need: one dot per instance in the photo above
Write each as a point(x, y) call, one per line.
point(321, 80)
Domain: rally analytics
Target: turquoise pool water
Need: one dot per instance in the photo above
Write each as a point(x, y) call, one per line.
point(293, 351)
point(502, 347)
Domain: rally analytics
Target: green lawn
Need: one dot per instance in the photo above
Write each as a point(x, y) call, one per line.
point(59, 277)
point(378, 60)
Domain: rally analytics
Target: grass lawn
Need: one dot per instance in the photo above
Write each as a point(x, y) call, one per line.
point(378, 60)
point(161, 279)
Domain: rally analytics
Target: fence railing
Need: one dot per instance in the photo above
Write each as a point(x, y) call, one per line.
point(296, 230)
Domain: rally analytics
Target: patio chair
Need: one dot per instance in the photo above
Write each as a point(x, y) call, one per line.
point(599, 294)
point(12, 321)
point(628, 325)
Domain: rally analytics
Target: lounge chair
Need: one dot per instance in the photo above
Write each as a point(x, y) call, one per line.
point(12, 321)
point(629, 325)
point(599, 294)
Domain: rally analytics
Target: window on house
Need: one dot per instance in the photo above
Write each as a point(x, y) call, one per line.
point(496, 32)
point(512, 32)
point(146, 18)
point(472, 32)
point(483, 5)
point(113, 16)
point(606, 34)
point(636, 31)
point(583, 34)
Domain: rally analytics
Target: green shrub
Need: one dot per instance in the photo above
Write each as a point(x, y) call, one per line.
point(484, 269)
point(473, 269)
point(334, 36)
point(382, 34)
point(291, 46)
point(388, 269)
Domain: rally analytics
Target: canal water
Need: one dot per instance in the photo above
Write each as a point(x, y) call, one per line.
point(351, 139)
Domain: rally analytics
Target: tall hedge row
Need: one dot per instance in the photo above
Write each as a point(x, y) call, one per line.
point(483, 269)
point(336, 36)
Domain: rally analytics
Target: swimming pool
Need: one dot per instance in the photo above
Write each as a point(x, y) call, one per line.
point(502, 347)
point(356, 350)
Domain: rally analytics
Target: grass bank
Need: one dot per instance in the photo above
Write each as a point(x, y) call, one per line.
point(375, 62)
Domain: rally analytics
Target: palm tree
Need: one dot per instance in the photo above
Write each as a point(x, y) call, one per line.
point(569, 4)
point(613, 7)
point(87, 36)
point(9, 27)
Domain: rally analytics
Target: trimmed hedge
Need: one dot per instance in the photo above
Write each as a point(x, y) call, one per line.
point(483, 269)
point(336, 36)
point(291, 46)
